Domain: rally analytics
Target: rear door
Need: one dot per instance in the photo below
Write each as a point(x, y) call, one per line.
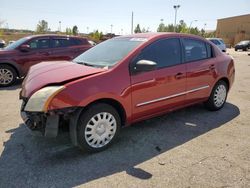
point(61, 49)
point(40, 50)
point(163, 89)
point(78, 46)
point(201, 68)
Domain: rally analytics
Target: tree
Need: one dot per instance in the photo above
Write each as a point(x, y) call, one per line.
point(161, 28)
point(68, 31)
point(75, 30)
point(42, 27)
point(96, 35)
point(137, 29)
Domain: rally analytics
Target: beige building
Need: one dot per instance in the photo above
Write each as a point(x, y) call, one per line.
point(234, 29)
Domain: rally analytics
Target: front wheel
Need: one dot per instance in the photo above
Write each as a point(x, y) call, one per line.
point(98, 127)
point(218, 96)
point(8, 76)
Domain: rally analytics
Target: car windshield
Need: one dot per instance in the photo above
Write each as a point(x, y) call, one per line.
point(15, 44)
point(108, 53)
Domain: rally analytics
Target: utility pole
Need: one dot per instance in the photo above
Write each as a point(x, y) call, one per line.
point(176, 7)
point(111, 26)
point(132, 23)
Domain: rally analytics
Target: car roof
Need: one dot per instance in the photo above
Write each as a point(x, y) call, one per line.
point(159, 35)
point(54, 35)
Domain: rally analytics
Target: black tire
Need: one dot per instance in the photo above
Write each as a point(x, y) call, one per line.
point(85, 119)
point(244, 49)
point(12, 72)
point(236, 49)
point(211, 102)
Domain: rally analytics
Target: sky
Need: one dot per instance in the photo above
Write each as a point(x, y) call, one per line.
point(99, 14)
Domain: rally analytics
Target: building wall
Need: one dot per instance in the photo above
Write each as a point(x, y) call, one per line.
point(234, 29)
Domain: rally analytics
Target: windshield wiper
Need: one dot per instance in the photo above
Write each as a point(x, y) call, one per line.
point(84, 63)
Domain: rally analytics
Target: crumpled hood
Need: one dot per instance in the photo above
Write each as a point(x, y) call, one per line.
point(56, 72)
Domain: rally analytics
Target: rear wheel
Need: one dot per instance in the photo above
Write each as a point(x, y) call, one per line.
point(218, 96)
point(8, 75)
point(98, 127)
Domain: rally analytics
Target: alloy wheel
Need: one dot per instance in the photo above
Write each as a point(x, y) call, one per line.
point(6, 76)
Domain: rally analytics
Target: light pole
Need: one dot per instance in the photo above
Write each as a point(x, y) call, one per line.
point(204, 29)
point(176, 7)
point(205, 26)
point(87, 30)
point(191, 24)
point(60, 26)
point(111, 26)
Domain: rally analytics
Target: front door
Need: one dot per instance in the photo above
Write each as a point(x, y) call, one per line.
point(161, 90)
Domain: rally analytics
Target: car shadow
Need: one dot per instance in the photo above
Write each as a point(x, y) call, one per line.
point(16, 86)
point(29, 161)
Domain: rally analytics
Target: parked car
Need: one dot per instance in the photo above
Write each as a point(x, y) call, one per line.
point(18, 57)
point(242, 45)
point(146, 75)
point(2, 43)
point(219, 43)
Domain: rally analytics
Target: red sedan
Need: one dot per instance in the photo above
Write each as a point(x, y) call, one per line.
point(122, 81)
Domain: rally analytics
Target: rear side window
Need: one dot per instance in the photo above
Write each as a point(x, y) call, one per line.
point(76, 42)
point(39, 44)
point(59, 43)
point(165, 53)
point(195, 50)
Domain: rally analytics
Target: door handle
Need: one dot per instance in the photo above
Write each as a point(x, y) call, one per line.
point(179, 75)
point(212, 67)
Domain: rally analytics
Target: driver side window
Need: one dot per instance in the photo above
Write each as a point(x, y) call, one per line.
point(165, 53)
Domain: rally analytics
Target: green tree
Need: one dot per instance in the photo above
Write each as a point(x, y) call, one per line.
point(137, 29)
point(42, 27)
point(161, 28)
point(96, 35)
point(68, 31)
point(75, 30)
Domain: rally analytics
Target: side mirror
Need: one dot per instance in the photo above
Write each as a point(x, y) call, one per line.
point(24, 48)
point(144, 66)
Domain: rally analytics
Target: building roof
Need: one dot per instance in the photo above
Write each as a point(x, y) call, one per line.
point(233, 17)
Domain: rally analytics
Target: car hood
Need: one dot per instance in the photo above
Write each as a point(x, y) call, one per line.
point(4, 52)
point(53, 73)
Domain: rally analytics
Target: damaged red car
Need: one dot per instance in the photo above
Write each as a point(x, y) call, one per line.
point(121, 81)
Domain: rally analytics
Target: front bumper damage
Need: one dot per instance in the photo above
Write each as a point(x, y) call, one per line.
point(41, 124)
point(47, 124)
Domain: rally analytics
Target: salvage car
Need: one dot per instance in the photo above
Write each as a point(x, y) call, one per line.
point(122, 81)
point(18, 57)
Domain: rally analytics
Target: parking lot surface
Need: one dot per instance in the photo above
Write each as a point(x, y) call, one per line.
point(187, 148)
